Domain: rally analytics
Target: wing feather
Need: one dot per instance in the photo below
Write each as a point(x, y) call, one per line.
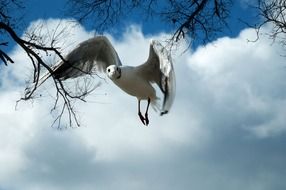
point(90, 56)
point(159, 69)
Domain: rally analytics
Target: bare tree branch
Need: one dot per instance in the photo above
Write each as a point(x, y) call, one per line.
point(273, 14)
point(199, 19)
point(5, 58)
point(67, 97)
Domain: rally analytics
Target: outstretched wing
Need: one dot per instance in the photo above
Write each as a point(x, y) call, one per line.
point(90, 56)
point(159, 69)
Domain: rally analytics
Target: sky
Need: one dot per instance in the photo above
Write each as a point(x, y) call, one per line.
point(226, 129)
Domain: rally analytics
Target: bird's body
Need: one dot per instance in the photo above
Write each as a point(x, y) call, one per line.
point(98, 55)
point(134, 84)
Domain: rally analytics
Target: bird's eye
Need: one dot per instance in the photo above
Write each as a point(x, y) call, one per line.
point(108, 70)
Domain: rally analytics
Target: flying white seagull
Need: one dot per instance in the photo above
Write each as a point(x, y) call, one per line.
point(98, 54)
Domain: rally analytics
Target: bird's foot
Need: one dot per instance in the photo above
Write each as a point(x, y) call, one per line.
point(142, 118)
point(146, 119)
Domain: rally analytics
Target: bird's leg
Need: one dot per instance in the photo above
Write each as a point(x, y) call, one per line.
point(146, 113)
point(139, 113)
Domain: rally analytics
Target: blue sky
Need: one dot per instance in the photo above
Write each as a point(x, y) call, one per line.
point(226, 129)
point(240, 11)
point(57, 9)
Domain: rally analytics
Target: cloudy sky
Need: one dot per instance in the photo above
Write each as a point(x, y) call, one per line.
point(226, 129)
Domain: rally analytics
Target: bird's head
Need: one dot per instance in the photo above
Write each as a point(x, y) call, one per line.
point(113, 72)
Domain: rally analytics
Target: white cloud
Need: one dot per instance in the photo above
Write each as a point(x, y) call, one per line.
point(227, 116)
point(244, 79)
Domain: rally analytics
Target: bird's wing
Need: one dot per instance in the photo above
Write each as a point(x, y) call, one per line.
point(159, 69)
point(90, 56)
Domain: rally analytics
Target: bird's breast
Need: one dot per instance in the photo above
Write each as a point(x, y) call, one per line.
point(135, 85)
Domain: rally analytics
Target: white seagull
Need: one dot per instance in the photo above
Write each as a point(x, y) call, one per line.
point(98, 54)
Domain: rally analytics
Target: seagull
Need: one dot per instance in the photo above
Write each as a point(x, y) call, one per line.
point(98, 54)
